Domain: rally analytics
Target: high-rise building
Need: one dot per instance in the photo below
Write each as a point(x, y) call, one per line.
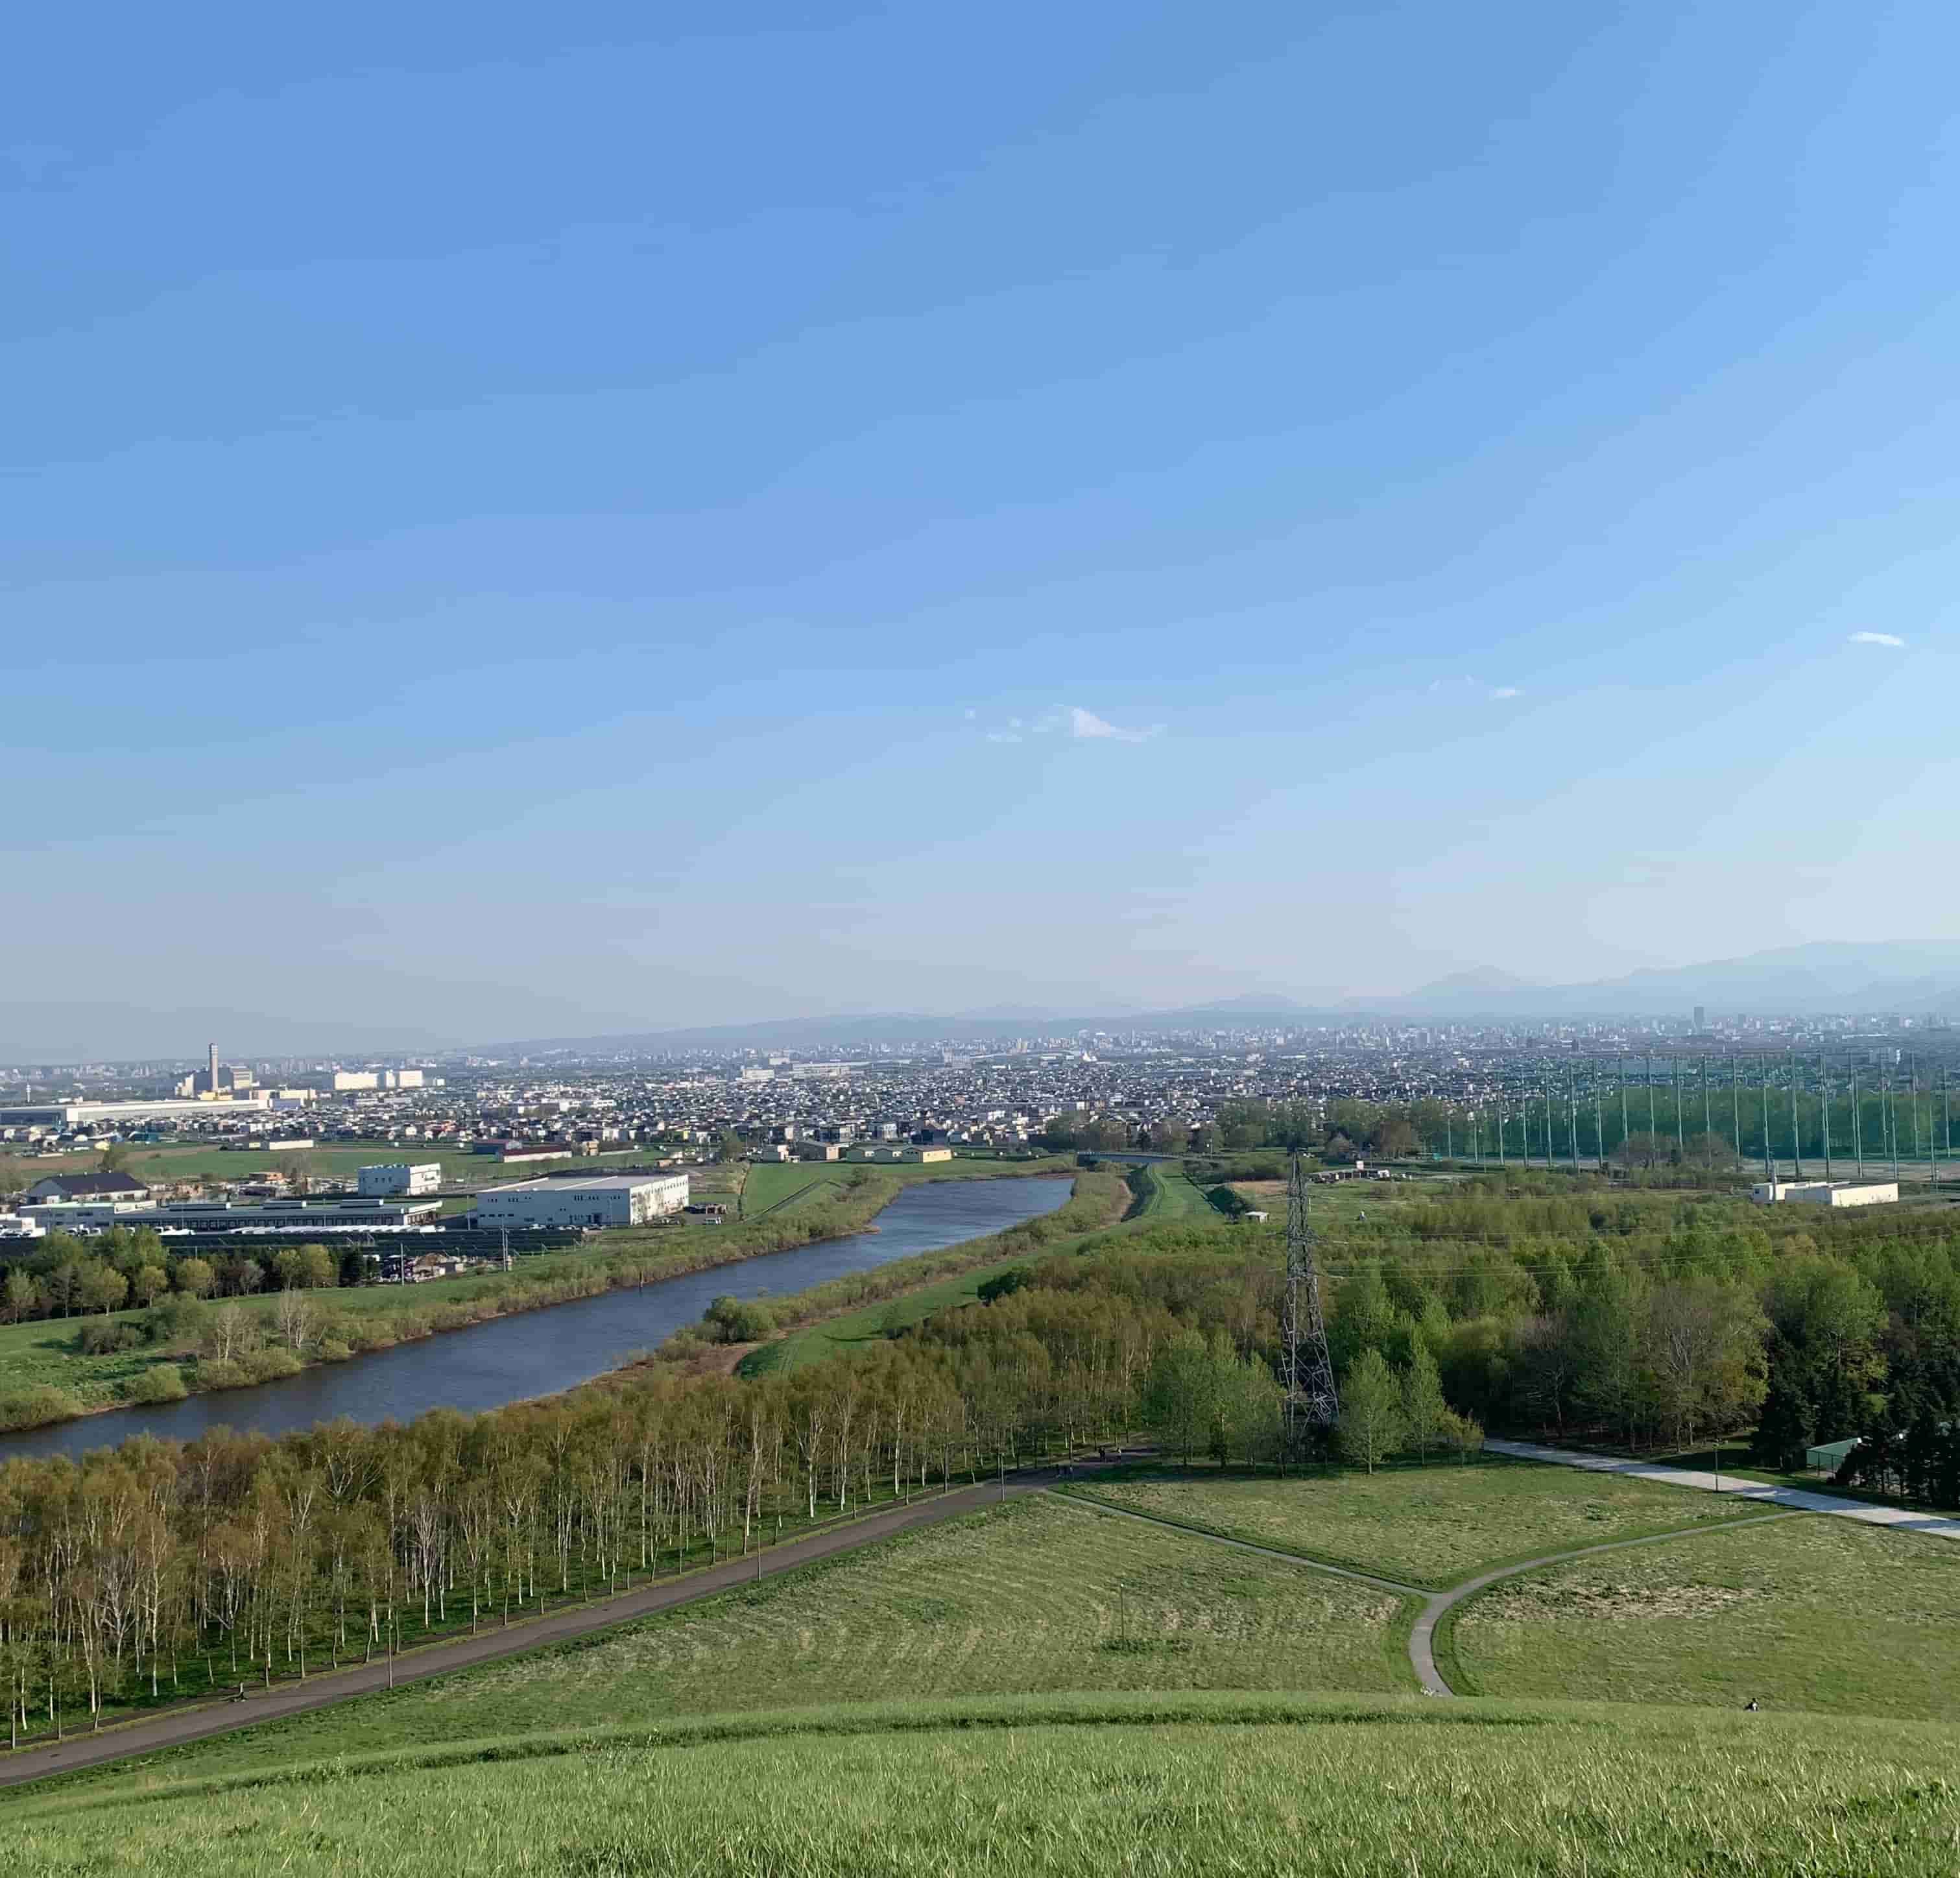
point(1700, 1018)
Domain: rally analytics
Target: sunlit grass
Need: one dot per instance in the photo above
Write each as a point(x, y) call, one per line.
point(1812, 1612)
point(1430, 1526)
point(1345, 1790)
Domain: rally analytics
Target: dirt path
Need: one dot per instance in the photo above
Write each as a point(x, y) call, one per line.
point(194, 1724)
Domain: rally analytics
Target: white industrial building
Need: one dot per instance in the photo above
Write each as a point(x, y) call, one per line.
point(1824, 1193)
point(230, 1216)
point(624, 1199)
point(349, 1081)
point(396, 1177)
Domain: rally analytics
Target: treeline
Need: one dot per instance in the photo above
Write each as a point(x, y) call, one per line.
point(162, 1567)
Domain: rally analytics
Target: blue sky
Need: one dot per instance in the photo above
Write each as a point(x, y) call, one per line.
point(527, 521)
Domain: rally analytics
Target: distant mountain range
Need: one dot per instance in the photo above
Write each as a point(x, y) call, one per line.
point(1831, 976)
point(1805, 980)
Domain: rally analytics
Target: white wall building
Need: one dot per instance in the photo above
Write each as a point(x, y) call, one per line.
point(602, 1200)
point(1824, 1193)
point(400, 1177)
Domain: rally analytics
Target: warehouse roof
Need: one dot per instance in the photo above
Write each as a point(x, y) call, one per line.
point(587, 1184)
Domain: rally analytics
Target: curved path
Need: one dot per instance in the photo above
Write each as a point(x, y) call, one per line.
point(194, 1723)
point(1422, 1638)
point(1422, 1653)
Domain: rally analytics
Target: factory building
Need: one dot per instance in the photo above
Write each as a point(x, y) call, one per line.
point(349, 1081)
point(231, 1216)
point(217, 1078)
point(67, 1115)
point(1824, 1193)
point(400, 1177)
point(603, 1200)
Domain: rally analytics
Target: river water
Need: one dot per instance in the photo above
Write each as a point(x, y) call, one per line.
point(536, 1353)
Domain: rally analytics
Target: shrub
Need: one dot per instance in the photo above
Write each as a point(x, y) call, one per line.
point(1005, 1284)
point(215, 1373)
point(738, 1320)
point(103, 1338)
point(163, 1383)
point(267, 1365)
point(331, 1350)
point(178, 1320)
point(29, 1408)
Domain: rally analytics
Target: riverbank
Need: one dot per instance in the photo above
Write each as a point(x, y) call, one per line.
point(789, 1330)
point(235, 1342)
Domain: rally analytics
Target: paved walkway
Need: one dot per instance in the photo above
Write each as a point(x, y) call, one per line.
point(1797, 1499)
point(176, 1726)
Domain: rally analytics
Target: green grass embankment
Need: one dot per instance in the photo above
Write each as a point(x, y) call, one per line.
point(1078, 1786)
point(862, 1307)
point(1165, 1192)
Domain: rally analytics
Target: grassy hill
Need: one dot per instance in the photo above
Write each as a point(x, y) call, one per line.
point(1042, 1687)
point(1067, 1786)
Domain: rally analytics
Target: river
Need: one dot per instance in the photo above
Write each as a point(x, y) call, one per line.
point(536, 1353)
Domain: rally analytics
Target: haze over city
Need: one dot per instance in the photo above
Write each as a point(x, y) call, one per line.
point(851, 516)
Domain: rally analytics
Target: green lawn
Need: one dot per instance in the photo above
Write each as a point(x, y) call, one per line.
point(43, 1353)
point(1428, 1525)
point(1033, 1596)
point(1165, 1192)
point(1081, 1788)
point(1811, 1612)
point(771, 1183)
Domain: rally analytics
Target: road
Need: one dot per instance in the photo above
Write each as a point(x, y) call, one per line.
point(178, 1726)
point(1798, 1499)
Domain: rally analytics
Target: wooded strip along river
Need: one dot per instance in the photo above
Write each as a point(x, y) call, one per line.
point(536, 1353)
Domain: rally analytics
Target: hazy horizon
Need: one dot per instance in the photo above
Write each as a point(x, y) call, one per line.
point(838, 513)
point(1750, 985)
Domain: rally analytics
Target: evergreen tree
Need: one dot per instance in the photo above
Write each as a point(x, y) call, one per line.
point(1787, 1426)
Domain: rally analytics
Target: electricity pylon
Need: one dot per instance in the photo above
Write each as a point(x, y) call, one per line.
point(1311, 1402)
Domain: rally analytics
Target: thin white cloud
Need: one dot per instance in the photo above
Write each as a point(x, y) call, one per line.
point(1083, 722)
point(971, 715)
point(1875, 638)
point(1072, 721)
point(1468, 681)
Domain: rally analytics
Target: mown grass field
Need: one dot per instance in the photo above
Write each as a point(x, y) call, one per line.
point(1430, 1525)
point(1811, 1612)
point(1033, 1596)
point(1165, 1192)
point(1081, 1788)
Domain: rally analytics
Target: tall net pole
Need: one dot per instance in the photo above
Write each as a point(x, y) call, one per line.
point(1311, 1403)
